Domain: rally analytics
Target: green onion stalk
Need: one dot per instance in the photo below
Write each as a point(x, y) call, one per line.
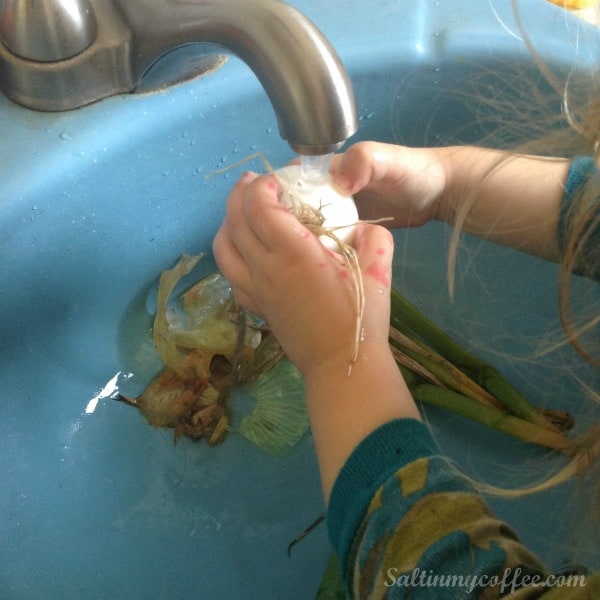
point(440, 372)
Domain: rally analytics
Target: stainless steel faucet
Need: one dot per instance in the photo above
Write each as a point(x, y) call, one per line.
point(62, 54)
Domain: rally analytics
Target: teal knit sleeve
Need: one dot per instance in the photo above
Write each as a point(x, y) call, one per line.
point(583, 169)
point(405, 523)
point(390, 447)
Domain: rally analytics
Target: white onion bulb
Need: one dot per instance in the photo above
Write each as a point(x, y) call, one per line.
point(339, 211)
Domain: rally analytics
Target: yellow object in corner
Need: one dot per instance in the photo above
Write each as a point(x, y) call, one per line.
point(574, 4)
point(588, 10)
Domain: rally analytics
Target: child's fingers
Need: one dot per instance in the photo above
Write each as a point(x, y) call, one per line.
point(230, 262)
point(236, 224)
point(375, 248)
point(355, 169)
point(273, 224)
point(246, 205)
point(235, 269)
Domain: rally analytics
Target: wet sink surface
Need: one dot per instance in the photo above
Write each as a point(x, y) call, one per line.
point(95, 203)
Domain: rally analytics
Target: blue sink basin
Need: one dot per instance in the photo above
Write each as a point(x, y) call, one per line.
point(96, 202)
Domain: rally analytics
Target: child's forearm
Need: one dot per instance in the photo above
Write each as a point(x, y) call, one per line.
point(514, 200)
point(344, 409)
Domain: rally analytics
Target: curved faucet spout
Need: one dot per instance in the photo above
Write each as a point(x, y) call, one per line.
point(301, 73)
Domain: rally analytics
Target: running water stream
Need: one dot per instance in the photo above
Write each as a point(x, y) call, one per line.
point(314, 169)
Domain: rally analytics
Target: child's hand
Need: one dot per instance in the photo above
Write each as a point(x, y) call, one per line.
point(391, 181)
point(279, 270)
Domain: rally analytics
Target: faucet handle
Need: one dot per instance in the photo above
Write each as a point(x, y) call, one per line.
point(47, 30)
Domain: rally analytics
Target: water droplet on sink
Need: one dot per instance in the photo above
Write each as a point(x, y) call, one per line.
point(65, 136)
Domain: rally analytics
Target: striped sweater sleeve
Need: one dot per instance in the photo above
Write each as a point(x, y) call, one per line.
point(583, 174)
point(407, 524)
